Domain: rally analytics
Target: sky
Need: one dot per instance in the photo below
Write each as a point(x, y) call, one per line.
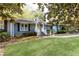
point(32, 6)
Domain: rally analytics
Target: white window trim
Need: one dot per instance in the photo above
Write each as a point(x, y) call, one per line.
point(23, 28)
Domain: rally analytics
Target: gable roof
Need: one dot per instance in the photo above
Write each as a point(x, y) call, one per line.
point(22, 20)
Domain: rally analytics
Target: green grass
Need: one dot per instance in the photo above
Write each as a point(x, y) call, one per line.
point(45, 47)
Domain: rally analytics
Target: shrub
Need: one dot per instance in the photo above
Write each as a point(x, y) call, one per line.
point(29, 34)
point(48, 32)
point(18, 35)
point(4, 36)
point(62, 31)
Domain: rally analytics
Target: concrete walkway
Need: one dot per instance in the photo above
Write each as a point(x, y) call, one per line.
point(65, 36)
point(61, 36)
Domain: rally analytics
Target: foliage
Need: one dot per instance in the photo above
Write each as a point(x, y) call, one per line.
point(38, 14)
point(29, 14)
point(62, 31)
point(7, 9)
point(29, 34)
point(63, 13)
point(26, 34)
point(4, 36)
point(26, 14)
point(18, 10)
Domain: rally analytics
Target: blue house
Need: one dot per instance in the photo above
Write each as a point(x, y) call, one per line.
point(20, 26)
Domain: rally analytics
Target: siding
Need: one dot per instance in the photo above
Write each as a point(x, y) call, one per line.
point(32, 27)
point(16, 32)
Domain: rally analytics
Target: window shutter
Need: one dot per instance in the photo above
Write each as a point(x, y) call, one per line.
point(18, 26)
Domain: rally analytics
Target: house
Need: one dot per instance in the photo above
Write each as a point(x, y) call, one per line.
point(20, 26)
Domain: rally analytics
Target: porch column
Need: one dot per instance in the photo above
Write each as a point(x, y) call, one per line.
point(12, 29)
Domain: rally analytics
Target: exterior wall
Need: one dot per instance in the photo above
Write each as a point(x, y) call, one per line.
point(44, 29)
point(54, 28)
point(13, 29)
point(39, 30)
point(32, 27)
point(47, 27)
point(20, 32)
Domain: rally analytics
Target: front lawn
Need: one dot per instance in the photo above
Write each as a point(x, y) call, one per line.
point(45, 47)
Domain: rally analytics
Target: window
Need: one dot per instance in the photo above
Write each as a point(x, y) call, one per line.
point(22, 25)
point(25, 25)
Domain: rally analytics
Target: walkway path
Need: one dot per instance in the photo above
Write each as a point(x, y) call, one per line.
point(65, 36)
point(62, 35)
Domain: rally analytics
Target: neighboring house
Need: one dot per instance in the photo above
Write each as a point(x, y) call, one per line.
point(20, 26)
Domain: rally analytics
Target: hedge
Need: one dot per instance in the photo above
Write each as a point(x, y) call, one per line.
point(4, 36)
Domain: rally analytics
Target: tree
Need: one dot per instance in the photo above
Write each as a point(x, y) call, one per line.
point(38, 14)
point(8, 9)
point(64, 13)
point(30, 14)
